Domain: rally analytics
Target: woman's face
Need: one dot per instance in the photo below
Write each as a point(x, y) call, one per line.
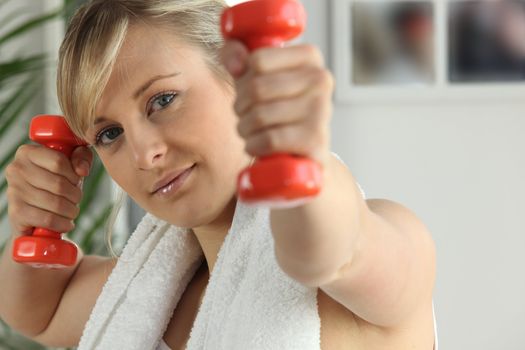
point(164, 113)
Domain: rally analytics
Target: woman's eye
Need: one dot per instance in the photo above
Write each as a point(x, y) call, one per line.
point(108, 136)
point(160, 102)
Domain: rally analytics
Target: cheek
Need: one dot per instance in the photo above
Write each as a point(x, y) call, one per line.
point(120, 171)
point(220, 135)
point(214, 121)
point(218, 141)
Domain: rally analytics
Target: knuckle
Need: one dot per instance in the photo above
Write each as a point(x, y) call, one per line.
point(55, 162)
point(271, 141)
point(249, 147)
point(56, 204)
point(49, 220)
point(76, 211)
point(321, 77)
point(62, 186)
point(311, 142)
point(241, 128)
point(317, 105)
point(11, 195)
point(311, 50)
point(256, 61)
point(317, 139)
point(329, 80)
point(77, 195)
point(237, 107)
point(323, 135)
point(22, 151)
point(257, 88)
point(13, 208)
point(258, 119)
point(11, 171)
point(312, 53)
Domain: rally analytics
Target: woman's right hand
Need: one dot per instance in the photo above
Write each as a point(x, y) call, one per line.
point(44, 188)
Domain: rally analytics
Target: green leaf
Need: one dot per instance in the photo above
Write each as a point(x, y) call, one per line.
point(12, 99)
point(5, 327)
point(6, 346)
point(3, 212)
point(11, 17)
point(87, 241)
point(11, 153)
point(91, 184)
point(22, 102)
point(29, 25)
point(20, 74)
point(2, 247)
point(3, 186)
point(3, 2)
point(5, 161)
point(19, 66)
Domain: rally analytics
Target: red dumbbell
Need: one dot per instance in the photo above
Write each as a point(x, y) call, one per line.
point(46, 248)
point(280, 180)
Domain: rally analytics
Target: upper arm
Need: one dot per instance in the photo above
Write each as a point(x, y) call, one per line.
point(391, 275)
point(74, 309)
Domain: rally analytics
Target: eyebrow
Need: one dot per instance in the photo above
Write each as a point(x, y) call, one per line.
point(99, 120)
point(144, 87)
point(141, 90)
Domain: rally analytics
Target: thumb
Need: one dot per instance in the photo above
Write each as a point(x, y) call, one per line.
point(234, 56)
point(82, 159)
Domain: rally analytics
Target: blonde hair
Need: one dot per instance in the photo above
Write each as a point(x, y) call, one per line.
point(97, 31)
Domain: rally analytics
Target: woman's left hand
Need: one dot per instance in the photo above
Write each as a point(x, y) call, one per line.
point(283, 99)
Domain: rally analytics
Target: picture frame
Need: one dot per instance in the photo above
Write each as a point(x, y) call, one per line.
point(441, 89)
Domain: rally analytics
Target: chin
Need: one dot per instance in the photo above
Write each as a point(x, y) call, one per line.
point(202, 214)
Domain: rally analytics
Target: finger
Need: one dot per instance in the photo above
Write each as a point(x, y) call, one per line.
point(280, 85)
point(82, 160)
point(234, 56)
point(304, 140)
point(50, 202)
point(35, 217)
point(42, 179)
point(271, 114)
point(274, 59)
point(53, 161)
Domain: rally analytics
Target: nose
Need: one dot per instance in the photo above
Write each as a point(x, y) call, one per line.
point(148, 147)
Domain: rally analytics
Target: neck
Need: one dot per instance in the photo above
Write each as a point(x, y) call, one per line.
point(211, 236)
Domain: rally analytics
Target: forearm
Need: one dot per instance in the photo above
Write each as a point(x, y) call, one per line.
point(374, 257)
point(29, 296)
point(314, 241)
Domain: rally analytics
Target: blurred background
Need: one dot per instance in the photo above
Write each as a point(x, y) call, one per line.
point(459, 164)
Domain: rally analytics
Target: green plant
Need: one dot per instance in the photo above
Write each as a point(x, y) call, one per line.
point(21, 77)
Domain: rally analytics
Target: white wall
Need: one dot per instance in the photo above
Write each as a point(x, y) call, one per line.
point(461, 168)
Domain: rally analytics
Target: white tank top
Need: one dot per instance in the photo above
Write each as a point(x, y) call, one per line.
point(163, 345)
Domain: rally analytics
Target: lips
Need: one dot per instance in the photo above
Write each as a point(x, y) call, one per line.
point(166, 180)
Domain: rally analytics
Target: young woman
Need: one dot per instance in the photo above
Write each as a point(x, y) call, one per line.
point(150, 85)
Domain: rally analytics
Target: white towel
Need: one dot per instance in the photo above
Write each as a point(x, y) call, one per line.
point(249, 302)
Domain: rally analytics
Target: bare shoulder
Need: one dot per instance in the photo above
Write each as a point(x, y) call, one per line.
point(72, 313)
point(342, 329)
